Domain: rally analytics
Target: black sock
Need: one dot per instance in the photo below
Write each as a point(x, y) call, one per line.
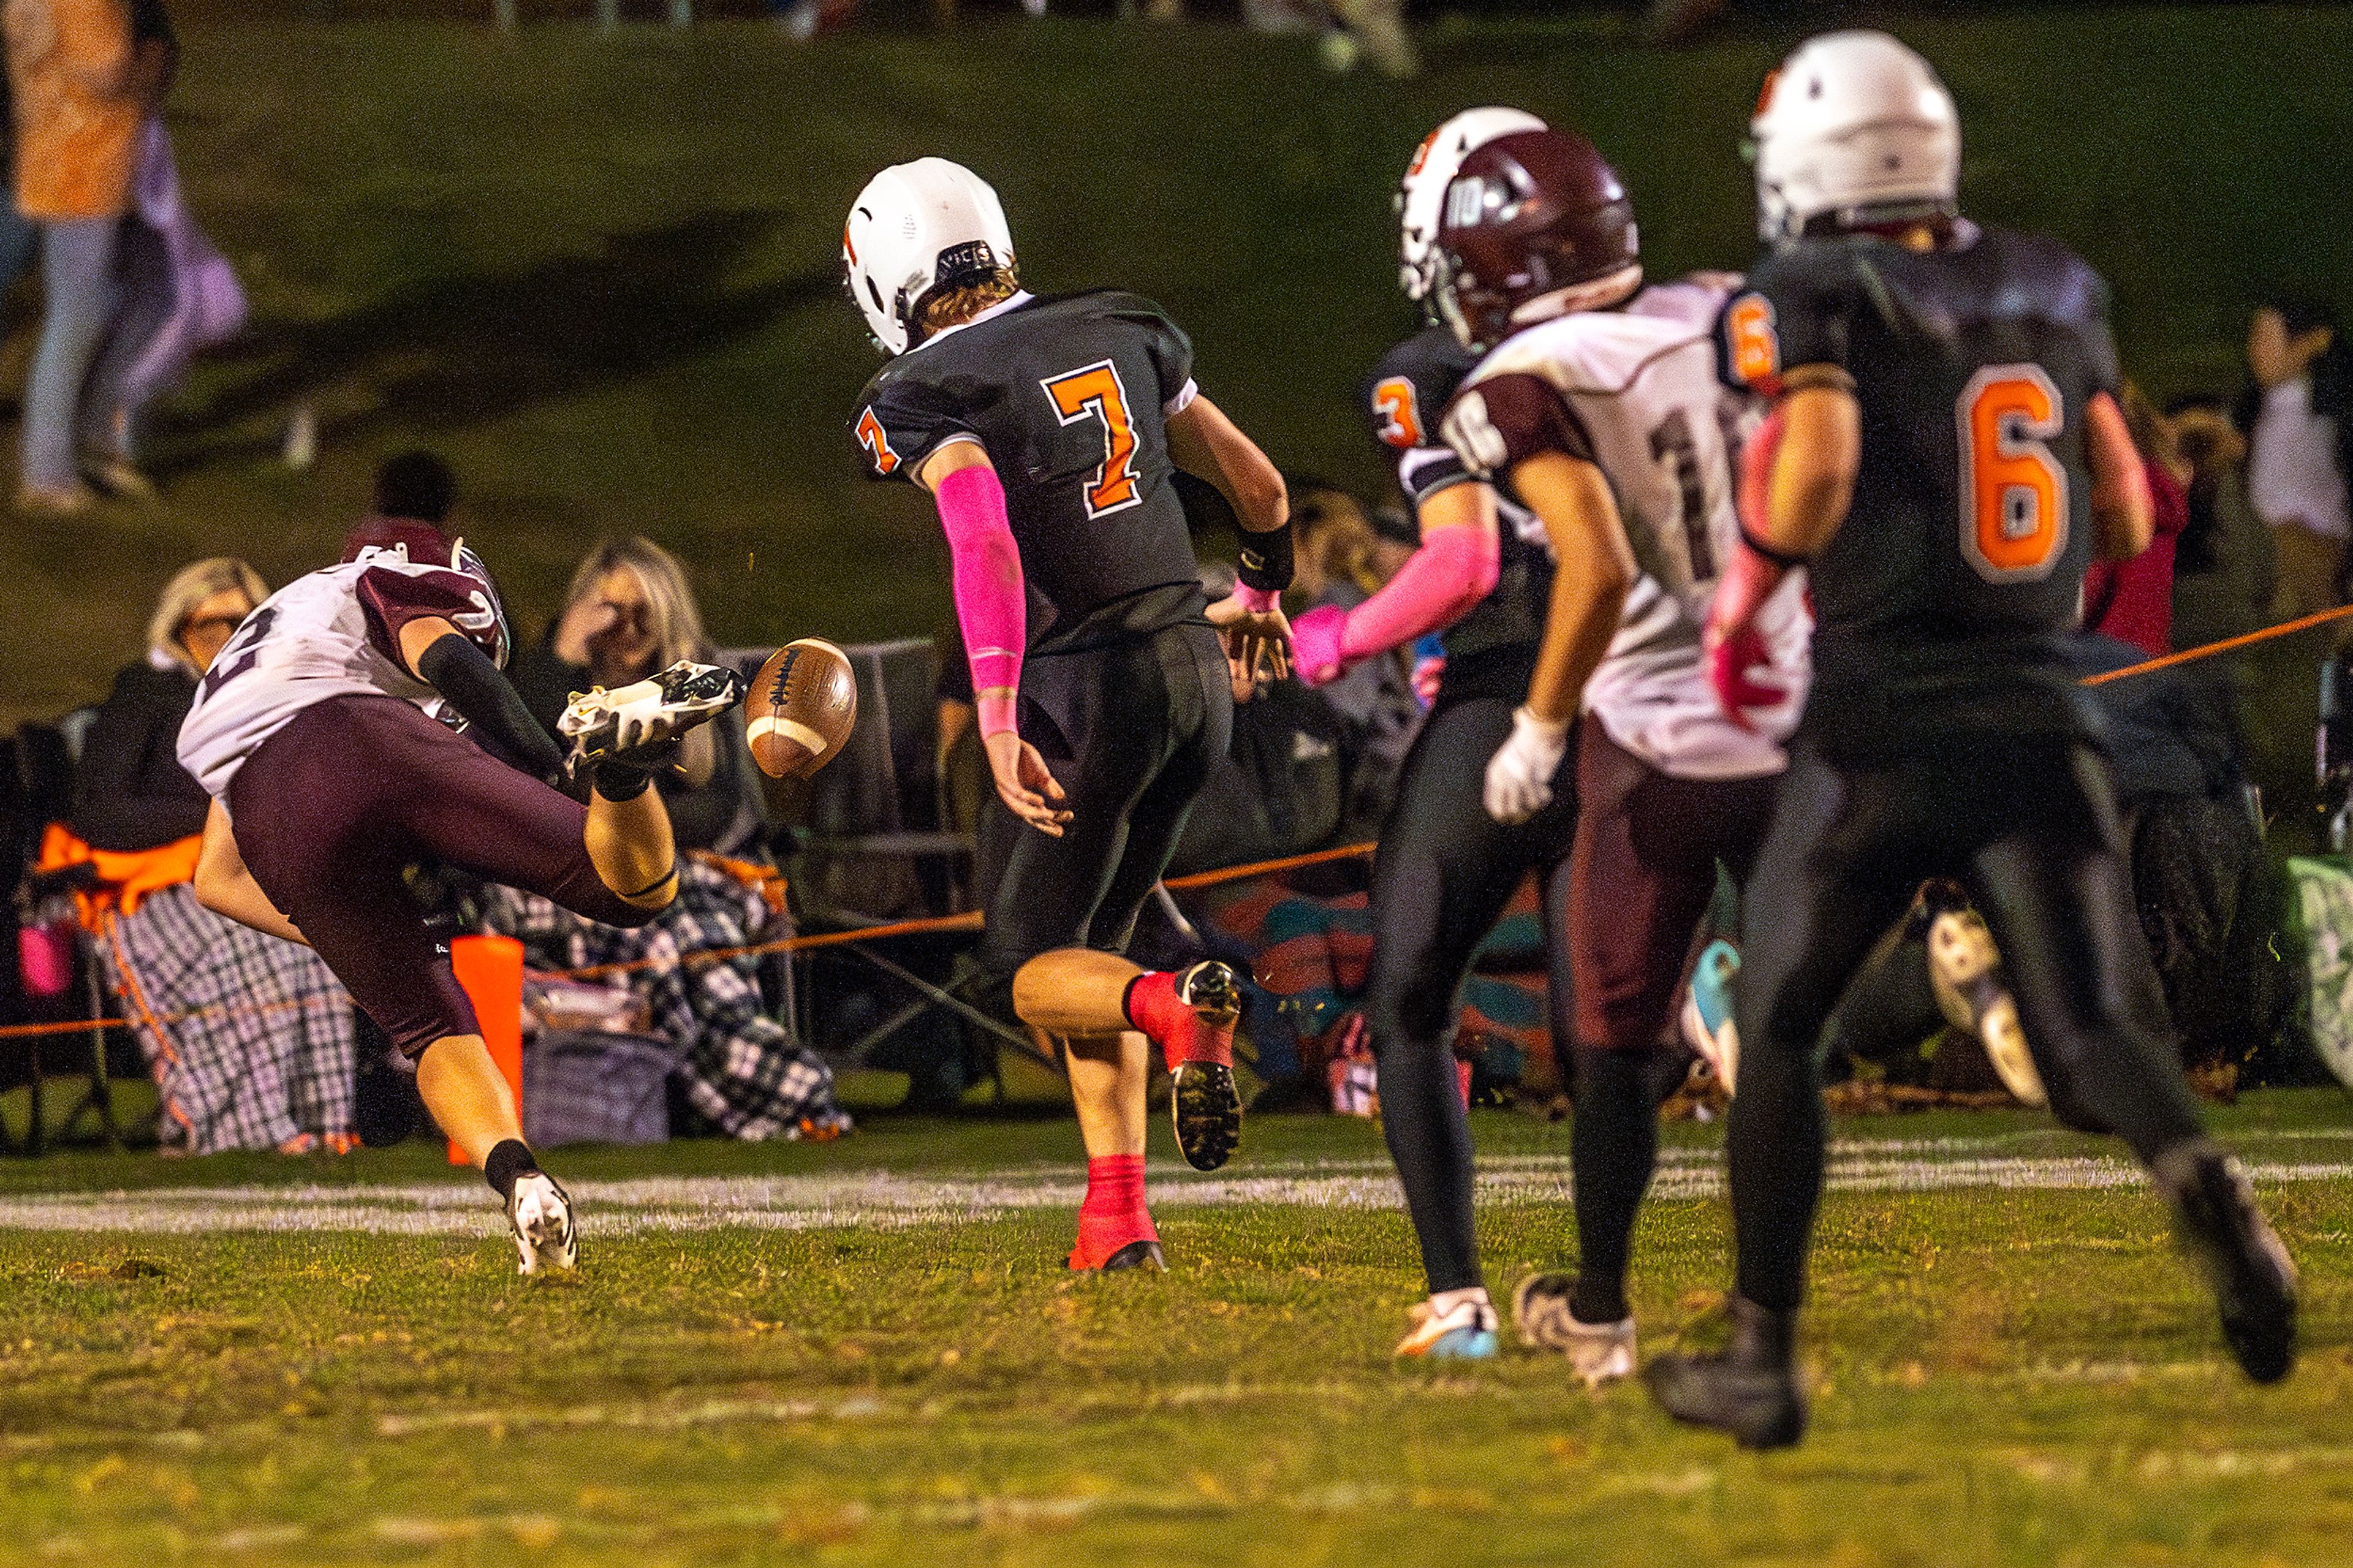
point(619, 780)
point(1615, 1145)
point(1429, 1137)
point(510, 1162)
point(1773, 1145)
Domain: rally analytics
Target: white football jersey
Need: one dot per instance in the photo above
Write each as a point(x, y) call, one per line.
point(307, 642)
point(1642, 388)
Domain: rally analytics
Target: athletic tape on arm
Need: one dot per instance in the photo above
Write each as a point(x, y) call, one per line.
point(986, 570)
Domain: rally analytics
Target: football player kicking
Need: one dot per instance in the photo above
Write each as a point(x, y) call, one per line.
point(324, 733)
point(1949, 454)
point(1045, 430)
point(1444, 869)
point(1598, 406)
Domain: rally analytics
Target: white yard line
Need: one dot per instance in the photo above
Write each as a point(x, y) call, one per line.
point(884, 1200)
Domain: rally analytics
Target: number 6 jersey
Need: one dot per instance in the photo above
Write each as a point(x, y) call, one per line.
point(1971, 525)
point(1070, 396)
point(1634, 392)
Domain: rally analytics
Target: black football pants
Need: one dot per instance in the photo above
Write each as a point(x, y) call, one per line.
point(1445, 872)
point(2029, 826)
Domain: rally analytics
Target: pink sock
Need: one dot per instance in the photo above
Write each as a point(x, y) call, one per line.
point(1113, 1214)
point(1153, 1006)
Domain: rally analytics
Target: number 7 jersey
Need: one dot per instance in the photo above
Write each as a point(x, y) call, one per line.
point(1971, 525)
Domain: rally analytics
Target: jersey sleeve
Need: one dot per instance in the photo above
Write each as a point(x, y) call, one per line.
point(1502, 421)
point(1790, 312)
point(2102, 367)
point(1403, 400)
point(1172, 357)
point(901, 420)
point(392, 597)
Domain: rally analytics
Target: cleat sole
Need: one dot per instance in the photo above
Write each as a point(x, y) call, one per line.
point(1206, 1105)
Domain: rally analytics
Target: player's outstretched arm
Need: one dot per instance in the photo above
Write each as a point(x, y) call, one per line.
point(2123, 511)
point(992, 610)
point(454, 665)
point(1588, 596)
point(227, 888)
point(1205, 444)
point(1459, 562)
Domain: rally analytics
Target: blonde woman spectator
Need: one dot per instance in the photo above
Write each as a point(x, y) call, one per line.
point(628, 613)
point(249, 1038)
point(79, 99)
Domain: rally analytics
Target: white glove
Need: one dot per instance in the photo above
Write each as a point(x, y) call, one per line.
point(1519, 776)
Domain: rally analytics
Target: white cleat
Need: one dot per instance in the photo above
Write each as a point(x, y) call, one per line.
point(542, 1217)
point(1598, 1352)
point(1465, 1331)
point(1973, 993)
point(631, 723)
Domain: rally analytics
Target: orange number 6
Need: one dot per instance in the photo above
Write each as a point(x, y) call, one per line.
point(1756, 350)
point(2013, 490)
point(1096, 391)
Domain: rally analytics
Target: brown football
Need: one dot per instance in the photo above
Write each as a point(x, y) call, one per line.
point(800, 709)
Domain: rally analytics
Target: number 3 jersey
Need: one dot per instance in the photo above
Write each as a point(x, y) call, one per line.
point(1635, 393)
point(1070, 396)
point(1963, 553)
point(335, 633)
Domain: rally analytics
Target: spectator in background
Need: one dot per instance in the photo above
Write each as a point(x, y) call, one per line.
point(249, 1038)
point(629, 613)
point(130, 793)
point(2222, 572)
point(2132, 601)
point(2298, 418)
point(75, 81)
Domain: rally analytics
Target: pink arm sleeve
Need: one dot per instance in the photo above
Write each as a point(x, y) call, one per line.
point(990, 605)
point(1455, 568)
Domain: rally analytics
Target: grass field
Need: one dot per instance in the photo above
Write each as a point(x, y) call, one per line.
point(601, 272)
point(867, 1353)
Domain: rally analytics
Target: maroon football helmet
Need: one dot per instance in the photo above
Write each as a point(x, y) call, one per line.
point(1535, 226)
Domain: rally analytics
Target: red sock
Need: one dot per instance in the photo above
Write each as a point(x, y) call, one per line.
point(1153, 1006)
point(1113, 1214)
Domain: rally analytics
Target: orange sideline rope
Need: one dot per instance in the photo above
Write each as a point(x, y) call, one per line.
point(970, 920)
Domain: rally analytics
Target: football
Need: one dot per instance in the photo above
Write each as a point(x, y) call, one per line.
point(801, 708)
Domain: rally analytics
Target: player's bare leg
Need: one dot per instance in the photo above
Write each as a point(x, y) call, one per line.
point(1090, 1002)
point(629, 843)
point(469, 1099)
point(1188, 1013)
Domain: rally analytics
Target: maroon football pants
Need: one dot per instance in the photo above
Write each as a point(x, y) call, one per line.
point(331, 811)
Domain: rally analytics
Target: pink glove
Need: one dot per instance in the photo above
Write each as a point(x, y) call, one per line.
point(1729, 663)
point(1426, 675)
point(1315, 645)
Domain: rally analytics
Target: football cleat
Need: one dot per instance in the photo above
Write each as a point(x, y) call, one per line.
point(1707, 1022)
point(541, 1215)
point(1134, 1255)
point(1749, 1389)
point(2216, 1215)
point(1203, 1101)
point(1973, 993)
point(634, 725)
point(1598, 1352)
point(1466, 1331)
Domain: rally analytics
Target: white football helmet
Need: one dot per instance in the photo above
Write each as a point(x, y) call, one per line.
point(1855, 123)
point(1421, 195)
point(916, 227)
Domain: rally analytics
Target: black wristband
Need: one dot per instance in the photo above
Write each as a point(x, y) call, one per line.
point(1266, 559)
point(1777, 557)
point(464, 675)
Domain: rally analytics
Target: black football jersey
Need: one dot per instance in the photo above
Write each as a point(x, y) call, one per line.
point(1490, 652)
point(1971, 526)
point(1070, 396)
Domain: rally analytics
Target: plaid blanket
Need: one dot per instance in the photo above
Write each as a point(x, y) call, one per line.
point(266, 1061)
point(745, 1072)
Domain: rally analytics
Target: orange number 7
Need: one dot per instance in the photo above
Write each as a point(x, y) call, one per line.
point(2013, 490)
point(1095, 391)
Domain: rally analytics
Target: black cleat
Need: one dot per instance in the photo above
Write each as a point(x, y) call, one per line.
point(1203, 1101)
point(2215, 1216)
point(1749, 1390)
point(1135, 1255)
